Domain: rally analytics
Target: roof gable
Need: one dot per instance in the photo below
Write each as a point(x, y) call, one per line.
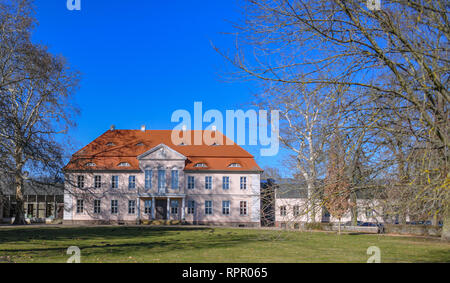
point(161, 152)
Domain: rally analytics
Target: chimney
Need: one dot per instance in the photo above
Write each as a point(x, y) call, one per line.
point(113, 127)
point(143, 128)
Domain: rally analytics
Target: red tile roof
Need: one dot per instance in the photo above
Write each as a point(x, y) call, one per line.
point(119, 146)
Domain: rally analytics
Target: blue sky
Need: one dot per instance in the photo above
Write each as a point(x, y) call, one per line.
point(142, 60)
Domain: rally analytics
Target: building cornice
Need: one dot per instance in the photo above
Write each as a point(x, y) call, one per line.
point(223, 171)
point(141, 171)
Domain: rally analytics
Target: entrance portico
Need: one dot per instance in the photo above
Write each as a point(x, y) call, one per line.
point(158, 207)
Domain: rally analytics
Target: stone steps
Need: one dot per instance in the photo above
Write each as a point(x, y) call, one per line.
point(161, 222)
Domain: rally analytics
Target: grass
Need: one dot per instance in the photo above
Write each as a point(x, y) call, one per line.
point(193, 244)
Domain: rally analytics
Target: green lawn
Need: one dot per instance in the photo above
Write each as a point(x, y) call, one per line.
point(191, 244)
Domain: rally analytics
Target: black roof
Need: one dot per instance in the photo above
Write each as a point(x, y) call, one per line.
point(291, 188)
point(33, 188)
point(288, 188)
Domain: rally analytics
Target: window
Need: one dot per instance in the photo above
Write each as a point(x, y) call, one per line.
point(97, 182)
point(131, 207)
point(235, 165)
point(114, 207)
point(148, 207)
point(208, 182)
point(243, 183)
point(191, 182)
point(115, 182)
point(80, 206)
point(174, 206)
point(175, 179)
point(124, 164)
point(80, 182)
point(208, 207)
point(30, 210)
point(148, 179)
point(296, 210)
point(226, 183)
point(97, 208)
point(49, 210)
point(132, 182)
point(369, 212)
point(161, 179)
point(191, 207)
point(10, 209)
point(201, 165)
point(226, 207)
point(243, 208)
point(282, 210)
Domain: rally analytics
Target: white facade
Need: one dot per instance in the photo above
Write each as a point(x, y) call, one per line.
point(111, 196)
point(295, 210)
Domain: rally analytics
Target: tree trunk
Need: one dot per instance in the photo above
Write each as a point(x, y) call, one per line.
point(446, 229)
point(1, 207)
point(311, 203)
point(19, 215)
point(313, 213)
point(354, 209)
point(339, 229)
point(402, 219)
point(435, 220)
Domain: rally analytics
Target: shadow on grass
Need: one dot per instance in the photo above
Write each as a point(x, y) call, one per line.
point(26, 233)
point(439, 256)
point(140, 245)
point(113, 239)
point(360, 233)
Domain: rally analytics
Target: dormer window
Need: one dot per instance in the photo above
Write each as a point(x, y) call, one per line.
point(140, 144)
point(90, 164)
point(124, 164)
point(110, 144)
point(235, 165)
point(201, 165)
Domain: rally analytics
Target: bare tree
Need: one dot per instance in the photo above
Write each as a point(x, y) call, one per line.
point(337, 185)
point(394, 59)
point(36, 91)
point(304, 114)
point(271, 173)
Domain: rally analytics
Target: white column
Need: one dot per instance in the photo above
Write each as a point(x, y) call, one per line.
point(68, 208)
point(139, 210)
point(153, 208)
point(55, 211)
point(168, 208)
point(183, 208)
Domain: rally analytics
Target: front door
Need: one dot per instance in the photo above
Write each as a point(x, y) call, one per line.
point(325, 215)
point(161, 209)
